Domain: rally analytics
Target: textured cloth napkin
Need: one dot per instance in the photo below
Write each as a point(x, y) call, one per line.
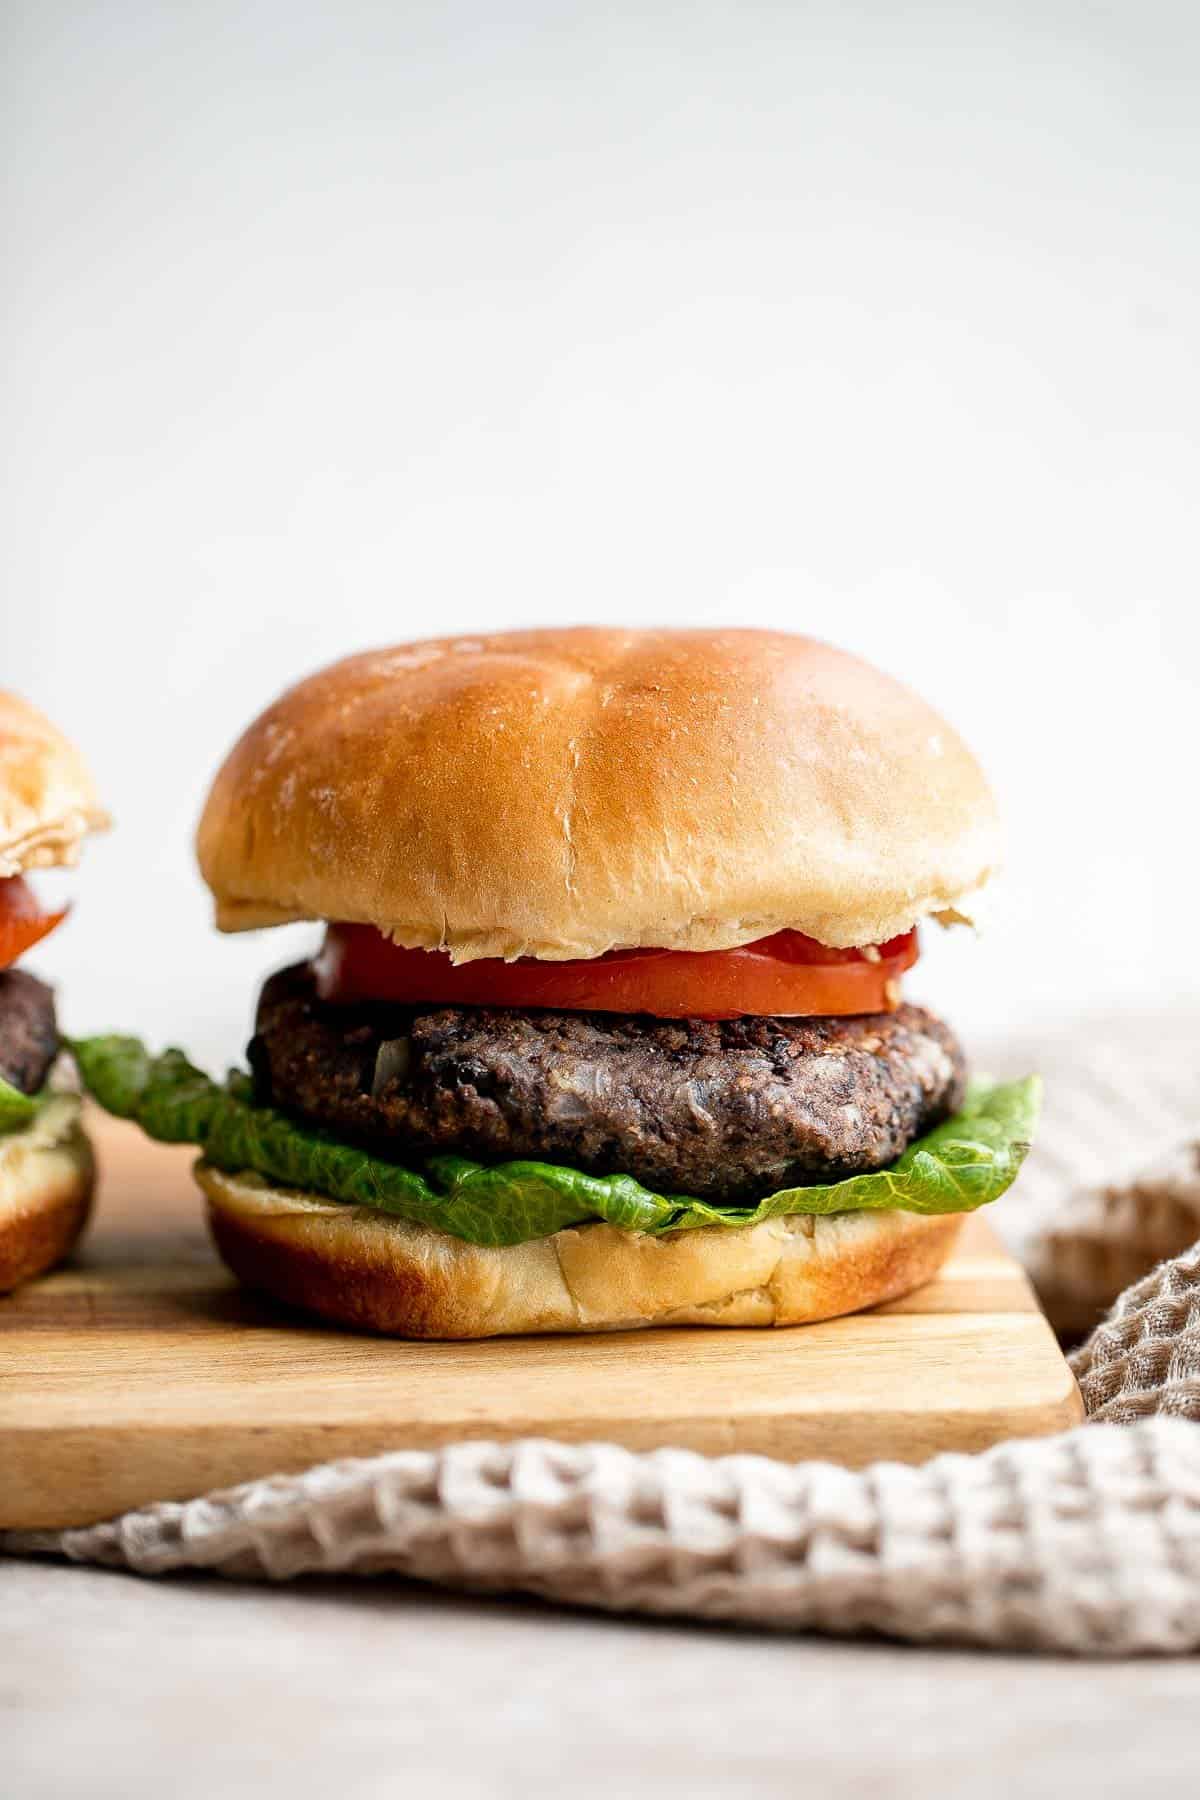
point(1087, 1542)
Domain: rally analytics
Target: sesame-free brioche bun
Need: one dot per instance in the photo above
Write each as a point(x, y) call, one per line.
point(359, 1267)
point(47, 801)
point(46, 1180)
point(560, 793)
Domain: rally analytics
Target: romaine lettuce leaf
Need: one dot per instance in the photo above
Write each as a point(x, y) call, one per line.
point(963, 1163)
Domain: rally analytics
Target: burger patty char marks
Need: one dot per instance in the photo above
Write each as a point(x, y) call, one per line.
point(28, 1030)
point(725, 1110)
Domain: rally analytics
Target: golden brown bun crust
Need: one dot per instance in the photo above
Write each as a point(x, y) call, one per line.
point(47, 801)
point(358, 1267)
point(46, 1179)
point(556, 793)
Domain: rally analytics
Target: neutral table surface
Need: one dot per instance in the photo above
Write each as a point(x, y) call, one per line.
point(113, 1687)
point(119, 1688)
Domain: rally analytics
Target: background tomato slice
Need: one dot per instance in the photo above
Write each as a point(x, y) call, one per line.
point(23, 919)
point(787, 974)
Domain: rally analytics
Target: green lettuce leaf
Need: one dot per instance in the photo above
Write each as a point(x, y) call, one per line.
point(960, 1165)
point(16, 1108)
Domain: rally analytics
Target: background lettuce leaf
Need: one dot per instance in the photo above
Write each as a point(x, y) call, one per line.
point(16, 1108)
point(963, 1163)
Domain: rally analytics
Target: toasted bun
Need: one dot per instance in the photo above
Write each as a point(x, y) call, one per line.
point(359, 1267)
point(47, 801)
point(559, 793)
point(46, 1180)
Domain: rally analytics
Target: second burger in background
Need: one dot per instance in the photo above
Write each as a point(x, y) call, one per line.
point(606, 1029)
point(47, 806)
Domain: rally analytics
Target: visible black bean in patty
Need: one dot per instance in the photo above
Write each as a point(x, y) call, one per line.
point(28, 1032)
point(725, 1110)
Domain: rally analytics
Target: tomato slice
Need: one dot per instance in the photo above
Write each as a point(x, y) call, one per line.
point(787, 974)
point(23, 919)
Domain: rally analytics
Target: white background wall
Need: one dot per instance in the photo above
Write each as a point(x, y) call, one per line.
point(327, 326)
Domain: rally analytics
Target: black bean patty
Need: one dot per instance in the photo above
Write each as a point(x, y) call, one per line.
point(726, 1110)
point(28, 1033)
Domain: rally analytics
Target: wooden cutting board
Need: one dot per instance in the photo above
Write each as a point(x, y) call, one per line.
point(142, 1372)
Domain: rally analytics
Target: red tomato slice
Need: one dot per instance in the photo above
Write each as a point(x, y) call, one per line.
point(23, 920)
point(787, 974)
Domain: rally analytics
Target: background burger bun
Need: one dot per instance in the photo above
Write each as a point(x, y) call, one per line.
point(47, 801)
point(46, 1180)
point(358, 1267)
point(559, 793)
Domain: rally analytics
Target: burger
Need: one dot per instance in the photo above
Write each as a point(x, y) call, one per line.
point(606, 1026)
point(47, 806)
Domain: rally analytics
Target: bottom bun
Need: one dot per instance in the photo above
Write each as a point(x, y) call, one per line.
point(46, 1178)
point(363, 1268)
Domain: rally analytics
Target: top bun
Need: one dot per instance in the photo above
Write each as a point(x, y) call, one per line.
point(47, 801)
point(561, 793)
